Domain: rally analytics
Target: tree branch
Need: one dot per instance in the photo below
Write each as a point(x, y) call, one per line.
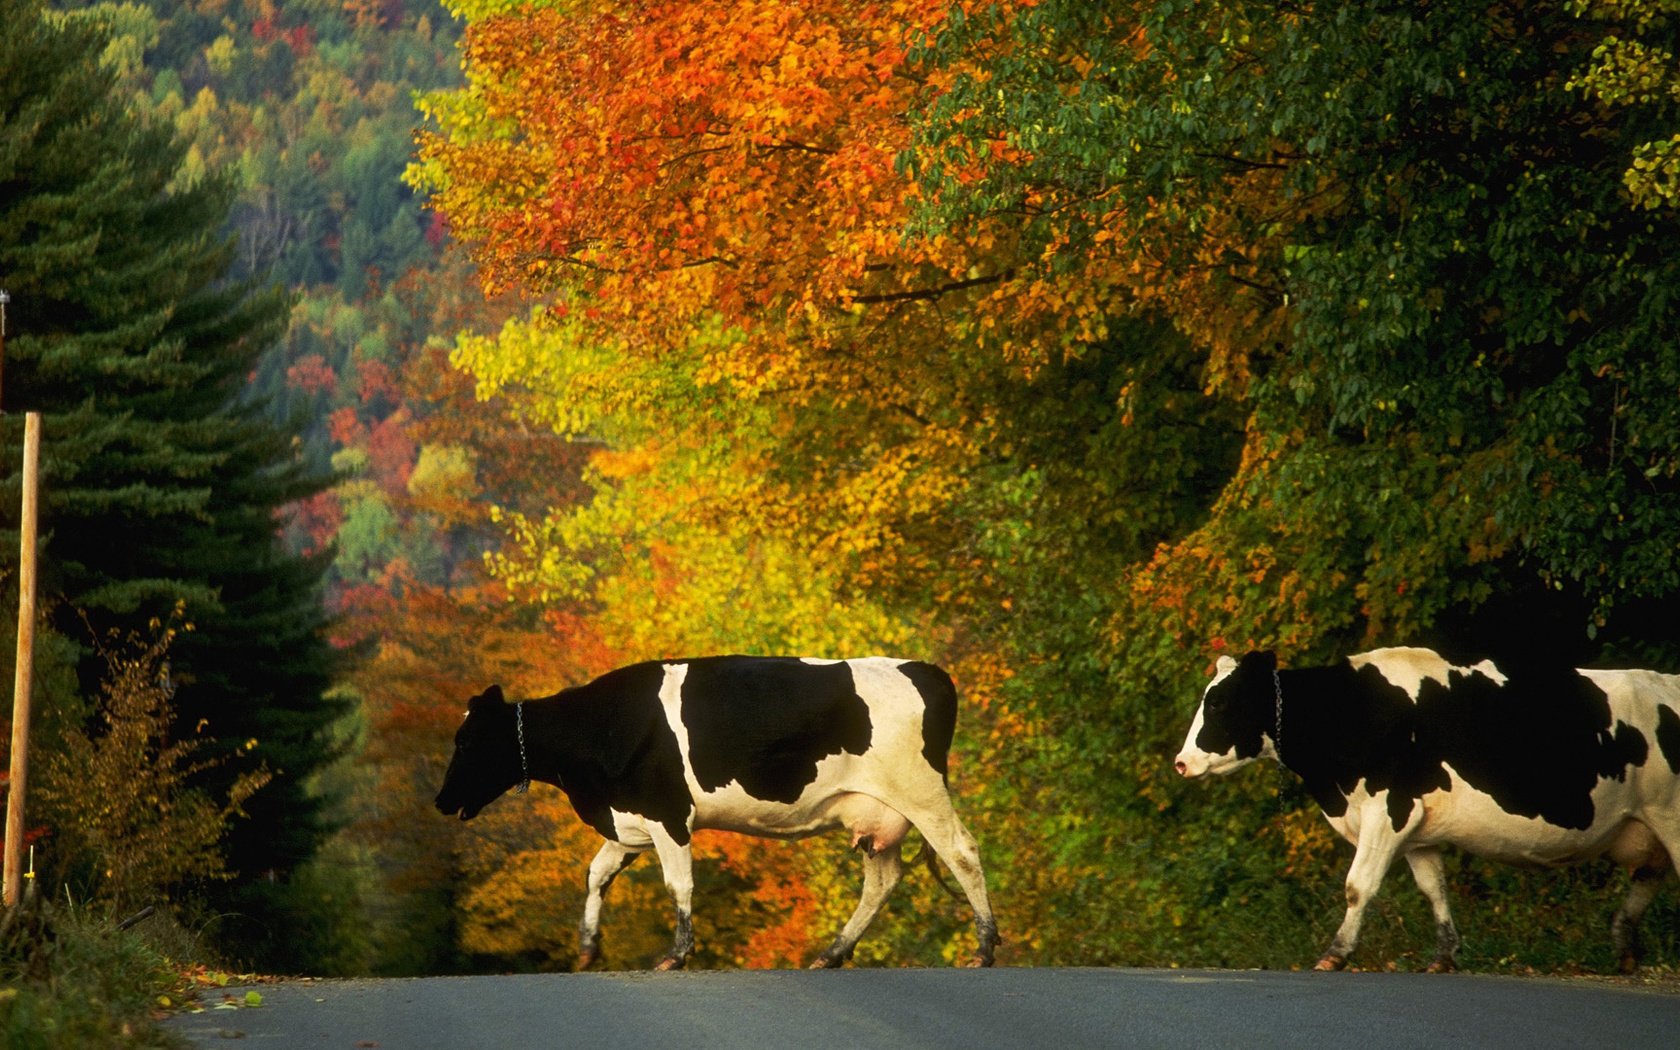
point(923, 294)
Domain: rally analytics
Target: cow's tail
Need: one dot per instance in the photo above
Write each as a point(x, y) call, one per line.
point(931, 859)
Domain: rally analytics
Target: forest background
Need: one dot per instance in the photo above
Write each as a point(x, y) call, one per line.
point(1068, 345)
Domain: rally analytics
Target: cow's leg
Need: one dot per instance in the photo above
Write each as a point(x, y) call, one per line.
point(1430, 874)
point(881, 872)
point(612, 858)
point(676, 862)
point(1624, 928)
point(1650, 849)
point(940, 826)
point(1372, 857)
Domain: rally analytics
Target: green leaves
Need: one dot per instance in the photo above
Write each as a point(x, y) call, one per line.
point(1435, 206)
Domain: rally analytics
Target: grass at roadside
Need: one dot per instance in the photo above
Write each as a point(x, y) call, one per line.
point(70, 979)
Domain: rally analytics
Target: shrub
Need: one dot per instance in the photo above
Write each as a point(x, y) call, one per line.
point(119, 796)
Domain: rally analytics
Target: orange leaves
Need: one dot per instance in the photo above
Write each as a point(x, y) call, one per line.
point(706, 195)
point(785, 398)
point(614, 153)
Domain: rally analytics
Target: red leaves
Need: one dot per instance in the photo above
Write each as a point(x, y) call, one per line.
point(312, 375)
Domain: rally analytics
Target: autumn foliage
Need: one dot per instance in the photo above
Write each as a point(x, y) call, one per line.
point(1073, 345)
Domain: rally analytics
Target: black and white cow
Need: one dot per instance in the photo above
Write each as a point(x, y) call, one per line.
point(772, 746)
point(1407, 753)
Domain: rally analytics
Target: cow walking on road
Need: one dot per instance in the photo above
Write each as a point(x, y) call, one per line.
point(1407, 753)
point(772, 746)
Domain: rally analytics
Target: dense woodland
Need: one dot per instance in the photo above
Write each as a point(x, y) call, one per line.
point(1069, 345)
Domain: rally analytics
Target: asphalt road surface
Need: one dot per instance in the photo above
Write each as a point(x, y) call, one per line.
point(1056, 1009)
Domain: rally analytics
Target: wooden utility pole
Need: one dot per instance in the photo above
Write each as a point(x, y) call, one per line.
point(25, 662)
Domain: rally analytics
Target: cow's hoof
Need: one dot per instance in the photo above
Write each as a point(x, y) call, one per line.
point(989, 940)
point(670, 962)
point(587, 958)
point(1330, 964)
point(1629, 964)
point(832, 958)
point(1441, 966)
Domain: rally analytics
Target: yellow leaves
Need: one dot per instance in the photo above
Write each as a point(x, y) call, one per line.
point(1653, 180)
point(220, 54)
point(893, 485)
point(1628, 72)
point(687, 545)
point(1309, 845)
point(553, 372)
point(684, 563)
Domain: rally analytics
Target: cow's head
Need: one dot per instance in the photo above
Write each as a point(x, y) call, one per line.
point(486, 760)
point(1235, 722)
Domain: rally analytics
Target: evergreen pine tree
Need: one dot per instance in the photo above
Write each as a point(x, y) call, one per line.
point(160, 481)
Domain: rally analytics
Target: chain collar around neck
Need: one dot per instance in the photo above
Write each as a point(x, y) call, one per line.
point(524, 764)
point(1277, 726)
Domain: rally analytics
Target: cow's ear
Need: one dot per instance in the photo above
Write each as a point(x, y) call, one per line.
point(1224, 665)
point(491, 697)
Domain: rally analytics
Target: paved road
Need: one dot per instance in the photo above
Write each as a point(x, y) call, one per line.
point(1057, 1009)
